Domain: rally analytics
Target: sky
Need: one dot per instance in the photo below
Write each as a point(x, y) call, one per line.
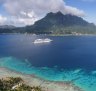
point(26, 12)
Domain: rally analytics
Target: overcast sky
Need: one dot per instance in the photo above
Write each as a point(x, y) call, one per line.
point(26, 12)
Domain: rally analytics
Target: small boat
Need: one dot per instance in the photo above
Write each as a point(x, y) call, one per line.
point(46, 40)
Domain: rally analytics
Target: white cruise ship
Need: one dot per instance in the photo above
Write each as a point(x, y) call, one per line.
point(46, 40)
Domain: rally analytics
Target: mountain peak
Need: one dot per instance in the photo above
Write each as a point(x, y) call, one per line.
point(60, 14)
point(55, 14)
point(53, 22)
point(59, 19)
point(58, 23)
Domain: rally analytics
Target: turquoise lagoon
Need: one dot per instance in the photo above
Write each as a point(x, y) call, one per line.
point(79, 77)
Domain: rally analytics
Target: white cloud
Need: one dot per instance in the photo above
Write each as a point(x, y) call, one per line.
point(25, 21)
point(28, 11)
point(2, 20)
point(73, 11)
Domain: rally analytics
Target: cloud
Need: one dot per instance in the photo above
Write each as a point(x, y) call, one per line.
point(2, 20)
point(23, 21)
point(73, 11)
point(29, 11)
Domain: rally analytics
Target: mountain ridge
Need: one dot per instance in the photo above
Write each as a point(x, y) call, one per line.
point(58, 23)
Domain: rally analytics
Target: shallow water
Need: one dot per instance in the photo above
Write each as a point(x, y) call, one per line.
point(69, 58)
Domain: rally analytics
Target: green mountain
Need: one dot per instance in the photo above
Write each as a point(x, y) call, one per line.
point(7, 29)
point(58, 23)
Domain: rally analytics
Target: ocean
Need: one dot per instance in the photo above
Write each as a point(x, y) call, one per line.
point(66, 58)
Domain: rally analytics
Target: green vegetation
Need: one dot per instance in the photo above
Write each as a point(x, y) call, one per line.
point(73, 30)
point(16, 84)
point(55, 23)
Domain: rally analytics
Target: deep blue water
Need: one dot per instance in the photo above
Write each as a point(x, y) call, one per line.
point(65, 58)
point(69, 52)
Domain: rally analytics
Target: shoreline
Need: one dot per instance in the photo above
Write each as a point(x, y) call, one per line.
point(49, 34)
point(46, 85)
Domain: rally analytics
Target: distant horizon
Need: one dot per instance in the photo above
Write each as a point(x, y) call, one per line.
point(21, 13)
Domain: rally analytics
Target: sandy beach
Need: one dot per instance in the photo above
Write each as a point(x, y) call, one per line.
point(32, 80)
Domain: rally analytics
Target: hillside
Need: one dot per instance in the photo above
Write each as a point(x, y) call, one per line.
point(57, 23)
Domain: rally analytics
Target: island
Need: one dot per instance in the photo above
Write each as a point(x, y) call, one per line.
point(54, 24)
